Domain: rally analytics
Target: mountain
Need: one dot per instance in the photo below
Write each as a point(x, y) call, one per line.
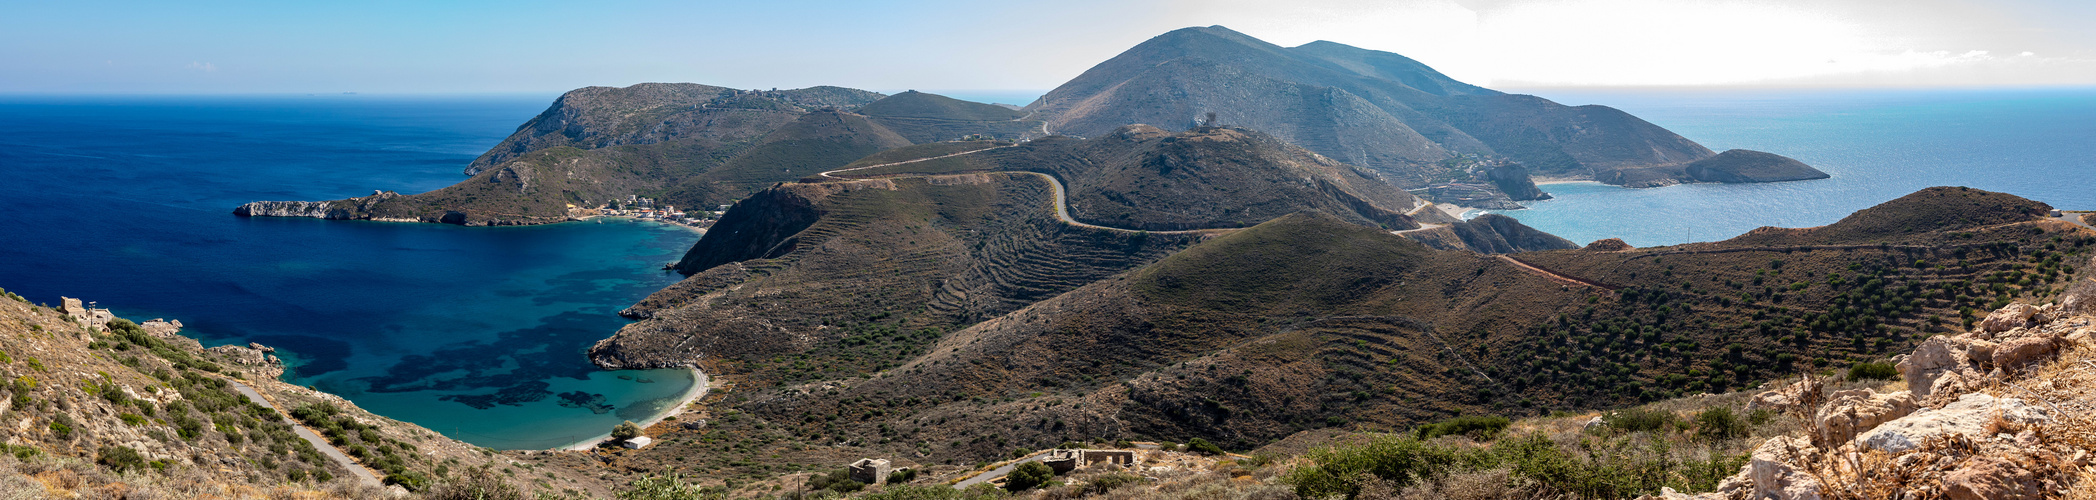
point(679, 144)
point(1375, 109)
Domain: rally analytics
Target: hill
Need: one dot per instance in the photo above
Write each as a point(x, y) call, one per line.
point(1302, 322)
point(1375, 109)
point(683, 145)
point(1142, 177)
point(1740, 165)
point(927, 118)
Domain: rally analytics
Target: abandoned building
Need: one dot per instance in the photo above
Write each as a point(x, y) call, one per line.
point(1063, 460)
point(869, 470)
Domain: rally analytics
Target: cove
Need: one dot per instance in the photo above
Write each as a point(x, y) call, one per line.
point(478, 333)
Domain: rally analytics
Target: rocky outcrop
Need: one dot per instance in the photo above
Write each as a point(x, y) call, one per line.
point(1945, 364)
point(1513, 179)
point(1974, 416)
point(1992, 478)
point(1849, 412)
point(1802, 394)
point(1743, 166)
point(345, 209)
point(1776, 472)
point(1497, 234)
point(1608, 245)
point(257, 358)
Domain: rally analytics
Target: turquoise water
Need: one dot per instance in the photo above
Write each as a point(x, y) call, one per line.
point(479, 333)
point(1877, 145)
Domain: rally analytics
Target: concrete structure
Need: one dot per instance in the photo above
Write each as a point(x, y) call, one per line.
point(869, 470)
point(1064, 460)
point(637, 442)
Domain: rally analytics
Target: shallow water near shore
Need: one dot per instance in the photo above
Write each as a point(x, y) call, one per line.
point(1877, 144)
point(479, 333)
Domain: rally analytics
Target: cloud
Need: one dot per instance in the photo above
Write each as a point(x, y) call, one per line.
point(204, 67)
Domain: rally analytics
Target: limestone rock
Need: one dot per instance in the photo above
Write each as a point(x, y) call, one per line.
point(254, 356)
point(2019, 352)
point(1596, 423)
point(1788, 397)
point(1940, 356)
point(2007, 318)
point(1775, 472)
point(1970, 415)
point(1991, 478)
point(1852, 411)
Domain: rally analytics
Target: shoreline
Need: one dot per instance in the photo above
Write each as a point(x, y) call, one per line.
point(695, 229)
point(700, 385)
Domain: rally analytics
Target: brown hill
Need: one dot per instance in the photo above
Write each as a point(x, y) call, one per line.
point(1740, 165)
point(1142, 177)
point(1304, 322)
point(1369, 108)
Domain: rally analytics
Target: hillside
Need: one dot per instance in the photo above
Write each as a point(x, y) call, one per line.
point(1303, 322)
point(683, 145)
point(1142, 177)
point(1370, 108)
point(104, 407)
point(927, 118)
point(1740, 165)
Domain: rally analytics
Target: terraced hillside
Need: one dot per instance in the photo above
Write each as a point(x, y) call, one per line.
point(1309, 321)
point(927, 118)
point(810, 281)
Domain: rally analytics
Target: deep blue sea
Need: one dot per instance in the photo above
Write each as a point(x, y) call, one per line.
point(478, 333)
point(1877, 144)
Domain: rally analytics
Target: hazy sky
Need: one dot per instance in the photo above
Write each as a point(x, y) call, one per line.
point(530, 46)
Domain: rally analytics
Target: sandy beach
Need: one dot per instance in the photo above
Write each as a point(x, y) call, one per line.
point(699, 386)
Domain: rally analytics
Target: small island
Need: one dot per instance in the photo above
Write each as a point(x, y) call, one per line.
point(1741, 165)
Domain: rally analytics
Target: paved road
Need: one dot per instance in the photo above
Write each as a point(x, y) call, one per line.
point(998, 472)
point(2074, 218)
point(364, 475)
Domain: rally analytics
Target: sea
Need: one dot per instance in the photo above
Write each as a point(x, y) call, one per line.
point(478, 333)
point(481, 333)
point(1877, 144)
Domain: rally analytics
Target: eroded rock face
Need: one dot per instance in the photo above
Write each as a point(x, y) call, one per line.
point(1849, 412)
point(2008, 318)
point(1971, 415)
point(1943, 364)
point(2017, 353)
point(1991, 478)
point(1775, 471)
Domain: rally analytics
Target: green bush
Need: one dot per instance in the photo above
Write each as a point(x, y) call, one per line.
point(1099, 485)
point(120, 458)
point(1028, 476)
point(838, 480)
point(1202, 446)
point(1873, 371)
point(902, 476)
point(1720, 423)
point(625, 430)
point(1604, 469)
point(1478, 428)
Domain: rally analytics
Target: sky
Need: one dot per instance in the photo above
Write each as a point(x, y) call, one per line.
point(474, 46)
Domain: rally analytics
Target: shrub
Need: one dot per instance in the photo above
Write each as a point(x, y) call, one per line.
point(1873, 371)
point(671, 487)
point(120, 458)
point(1641, 420)
point(901, 476)
point(1202, 446)
point(1478, 428)
point(1028, 476)
point(838, 480)
point(1099, 485)
point(625, 430)
point(1720, 423)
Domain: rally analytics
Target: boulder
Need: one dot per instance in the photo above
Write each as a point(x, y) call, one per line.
point(1972, 415)
point(1991, 478)
point(1849, 412)
point(1774, 468)
point(1596, 423)
point(1939, 356)
point(2016, 353)
point(1787, 398)
point(2013, 316)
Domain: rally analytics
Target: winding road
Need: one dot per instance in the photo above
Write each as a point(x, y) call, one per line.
point(363, 475)
point(1062, 198)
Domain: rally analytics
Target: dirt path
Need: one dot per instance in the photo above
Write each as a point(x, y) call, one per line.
point(827, 174)
point(1553, 276)
point(363, 475)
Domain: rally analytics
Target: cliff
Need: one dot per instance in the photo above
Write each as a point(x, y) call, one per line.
point(1513, 179)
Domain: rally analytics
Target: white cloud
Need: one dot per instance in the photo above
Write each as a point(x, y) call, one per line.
point(204, 67)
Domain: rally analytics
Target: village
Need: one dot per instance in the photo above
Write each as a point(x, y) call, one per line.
point(639, 208)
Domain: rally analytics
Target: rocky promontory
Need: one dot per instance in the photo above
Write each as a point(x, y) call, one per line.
point(1742, 166)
